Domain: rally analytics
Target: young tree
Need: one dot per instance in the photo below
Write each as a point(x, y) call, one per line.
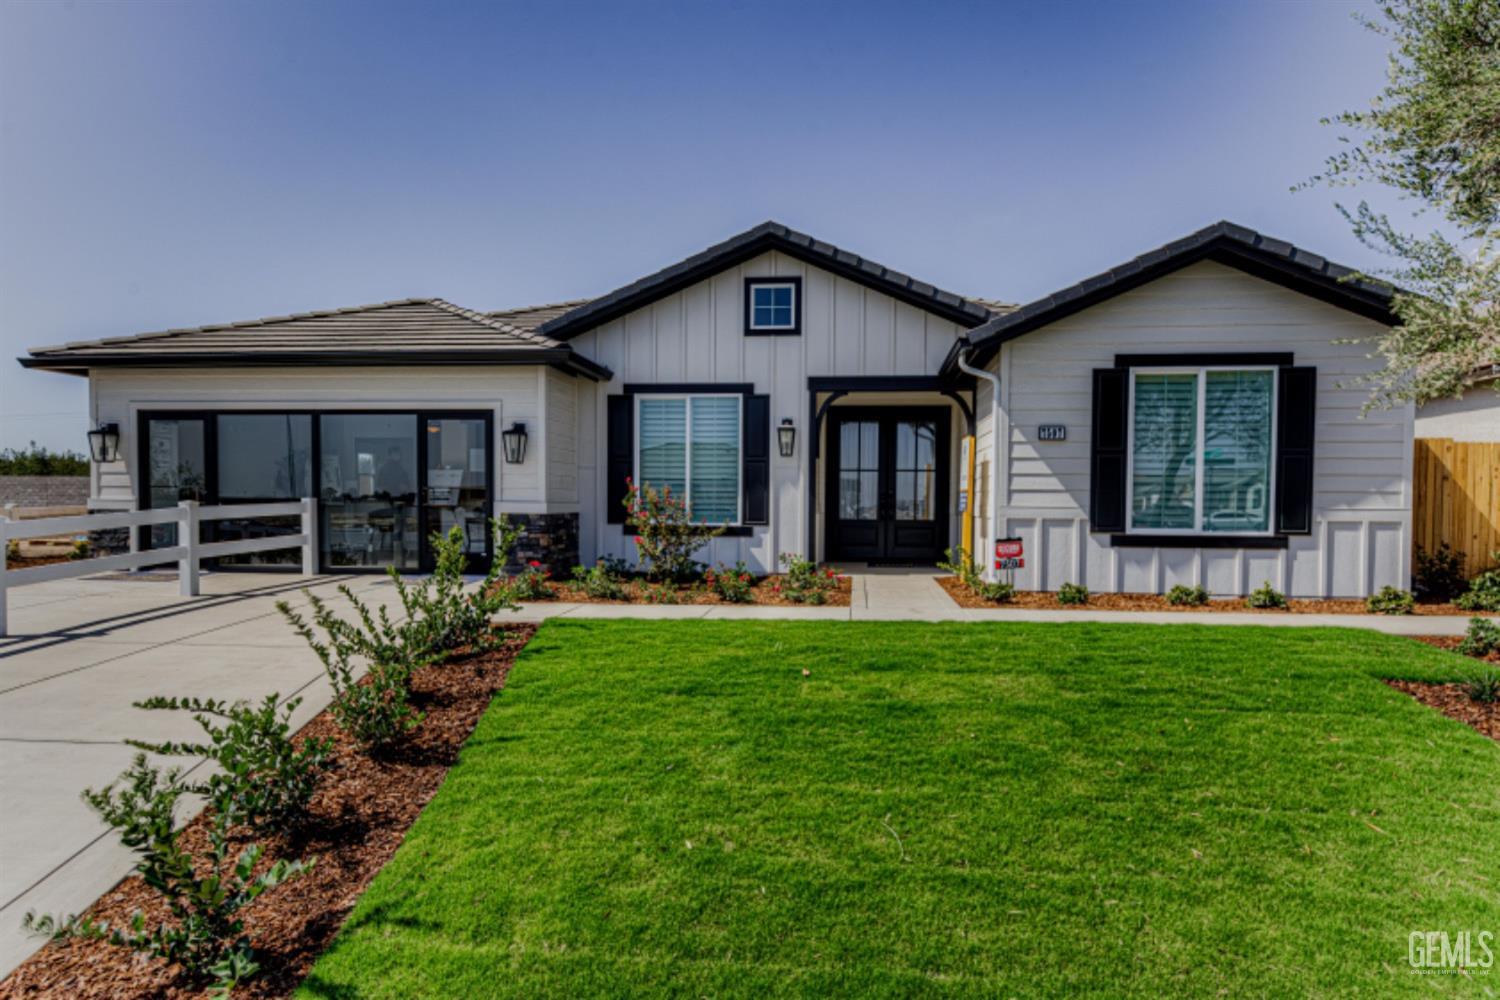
point(1433, 134)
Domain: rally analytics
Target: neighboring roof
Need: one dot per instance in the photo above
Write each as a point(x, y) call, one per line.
point(751, 243)
point(405, 332)
point(531, 317)
point(1235, 246)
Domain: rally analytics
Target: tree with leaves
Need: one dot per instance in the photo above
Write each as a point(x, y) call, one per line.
point(1433, 135)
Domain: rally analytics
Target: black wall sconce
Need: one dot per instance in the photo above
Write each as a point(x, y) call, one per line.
point(515, 443)
point(786, 438)
point(104, 443)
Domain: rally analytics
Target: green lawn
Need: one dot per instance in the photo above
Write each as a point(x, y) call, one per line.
point(950, 809)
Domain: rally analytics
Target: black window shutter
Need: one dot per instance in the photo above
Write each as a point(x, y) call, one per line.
point(620, 465)
point(1107, 450)
point(757, 460)
point(1295, 428)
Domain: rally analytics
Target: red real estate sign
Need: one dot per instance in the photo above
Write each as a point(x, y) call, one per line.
point(1009, 554)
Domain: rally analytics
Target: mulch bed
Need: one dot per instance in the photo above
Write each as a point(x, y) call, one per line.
point(359, 817)
point(1451, 699)
point(26, 562)
point(765, 591)
point(1046, 600)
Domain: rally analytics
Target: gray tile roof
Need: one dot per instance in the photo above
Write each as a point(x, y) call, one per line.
point(531, 317)
point(1236, 246)
point(407, 331)
point(751, 243)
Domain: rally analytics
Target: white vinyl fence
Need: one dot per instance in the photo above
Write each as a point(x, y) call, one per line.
point(187, 553)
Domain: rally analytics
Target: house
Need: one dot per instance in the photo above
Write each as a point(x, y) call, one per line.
point(1177, 419)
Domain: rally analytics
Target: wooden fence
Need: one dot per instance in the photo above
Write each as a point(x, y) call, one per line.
point(1456, 499)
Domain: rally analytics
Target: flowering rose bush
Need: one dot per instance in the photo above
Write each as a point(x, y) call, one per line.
point(531, 583)
point(732, 585)
point(666, 534)
point(804, 583)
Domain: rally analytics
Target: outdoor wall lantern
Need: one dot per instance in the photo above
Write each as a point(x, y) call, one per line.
point(515, 443)
point(786, 437)
point(104, 443)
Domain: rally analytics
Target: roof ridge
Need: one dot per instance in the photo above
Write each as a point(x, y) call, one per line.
point(494, 324)
point(178, 331)
point(542, 305)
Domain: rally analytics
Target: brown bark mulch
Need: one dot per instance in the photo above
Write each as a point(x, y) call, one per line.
point(359, 816)
point(1450, 699)
point(765, 591)
point(1451, 644)
point(1046, 600)
point(26, 562)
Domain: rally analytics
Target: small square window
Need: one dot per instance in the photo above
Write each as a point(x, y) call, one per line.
point(771, 305)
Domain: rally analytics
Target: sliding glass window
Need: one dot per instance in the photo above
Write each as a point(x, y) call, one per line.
point(262, 458)
point(368, 487)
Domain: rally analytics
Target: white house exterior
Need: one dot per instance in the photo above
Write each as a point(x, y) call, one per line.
point(1175, 420)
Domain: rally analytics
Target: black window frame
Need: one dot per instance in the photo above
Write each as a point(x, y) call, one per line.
point(795, 330)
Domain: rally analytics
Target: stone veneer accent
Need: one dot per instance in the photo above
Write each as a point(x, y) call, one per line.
point(550, 539)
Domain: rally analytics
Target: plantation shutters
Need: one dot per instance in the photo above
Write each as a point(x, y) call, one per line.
point(1295, 427)
point(1107, 461)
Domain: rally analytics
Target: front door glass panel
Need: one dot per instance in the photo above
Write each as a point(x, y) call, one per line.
point(916, 472)
point(859, 470)
point(457, 484)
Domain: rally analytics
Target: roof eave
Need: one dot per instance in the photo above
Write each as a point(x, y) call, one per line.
point(564, 359)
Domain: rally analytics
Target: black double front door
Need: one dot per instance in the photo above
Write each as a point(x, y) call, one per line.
point(887, 484)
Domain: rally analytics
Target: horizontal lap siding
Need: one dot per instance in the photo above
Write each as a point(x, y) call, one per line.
point(1362, 492)
point(510, 393)
point(697, 335)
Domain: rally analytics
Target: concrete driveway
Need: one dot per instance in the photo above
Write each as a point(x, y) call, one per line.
point(80, 652)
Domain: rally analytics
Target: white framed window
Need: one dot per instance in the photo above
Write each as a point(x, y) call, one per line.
point(692, 445)
point(1201, 451)
point(771, 305)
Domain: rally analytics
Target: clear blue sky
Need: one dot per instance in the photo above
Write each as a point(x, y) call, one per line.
point(176, 164)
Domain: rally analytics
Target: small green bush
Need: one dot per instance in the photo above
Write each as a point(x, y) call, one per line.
point(1072, 593)
point(1439, 575)
point(660, 593)
point(82, 549)
point(803, 583)
point(1482, 638)
point(443, 613)
point(530, 584)
point(1484, 686)
point(962, 565)
point(599, 581)
point(1390, 601)
point(264, 779)
point(203, 895)
point(1484, 591)
point(12, 549)
point(666, 536)
point(1182, 594)
point(733, 584)
point(1266, 596)
point(1000, 592)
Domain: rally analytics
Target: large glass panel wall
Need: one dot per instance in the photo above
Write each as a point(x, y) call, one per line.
point(458, 482)
point(263, 458)
point(368, 478)
point(176, 459)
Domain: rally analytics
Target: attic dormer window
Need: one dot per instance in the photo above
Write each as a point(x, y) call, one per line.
point(773, 305)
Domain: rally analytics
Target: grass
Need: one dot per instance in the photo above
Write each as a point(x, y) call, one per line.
point(671, 808)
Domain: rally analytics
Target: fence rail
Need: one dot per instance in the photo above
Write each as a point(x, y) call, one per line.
point(1456, 499)
point(188, 553)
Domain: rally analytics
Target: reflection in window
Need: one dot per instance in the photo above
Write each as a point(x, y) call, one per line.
point(692, 446)
point(264, 456)
point(773, 306)
point(916, 476)
point(859, 470)
point(368, 483)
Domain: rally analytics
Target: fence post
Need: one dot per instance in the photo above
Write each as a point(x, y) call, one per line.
point(187, 536)
point(4, 548)
point(310, 529)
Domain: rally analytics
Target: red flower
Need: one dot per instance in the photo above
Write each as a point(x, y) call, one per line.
point(534, 563)
point(637, 539)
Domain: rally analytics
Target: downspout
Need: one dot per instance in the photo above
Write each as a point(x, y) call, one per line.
point(994, 492)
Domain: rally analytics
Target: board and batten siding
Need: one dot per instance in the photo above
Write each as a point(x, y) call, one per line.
point(698, 335)
point(511, 393)
point(1362, 464)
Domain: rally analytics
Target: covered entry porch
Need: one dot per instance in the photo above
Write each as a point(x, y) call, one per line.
point(889, 469)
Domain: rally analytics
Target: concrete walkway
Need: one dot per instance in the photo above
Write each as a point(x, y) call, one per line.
point(83, 650)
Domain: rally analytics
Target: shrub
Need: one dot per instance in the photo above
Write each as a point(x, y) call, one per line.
point(1484, 686)
point(803, 583)
point(1390, 601)
point(660, 593)
point(1072, 593)
point(12, 549)
point(1484, 591)
point(599, 581)
point(377, 712)
point(82, 549)
point(530, 584)
point(1182, 594)
point(1482, 638)
point(734, 585)
point(1000, 592)
point(35, 461)
point(204, 896)
point(962, 565)
point(443, 614)
point(1266, 596)
point(666, 536)
point(265, 780)
point(1439, 575)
